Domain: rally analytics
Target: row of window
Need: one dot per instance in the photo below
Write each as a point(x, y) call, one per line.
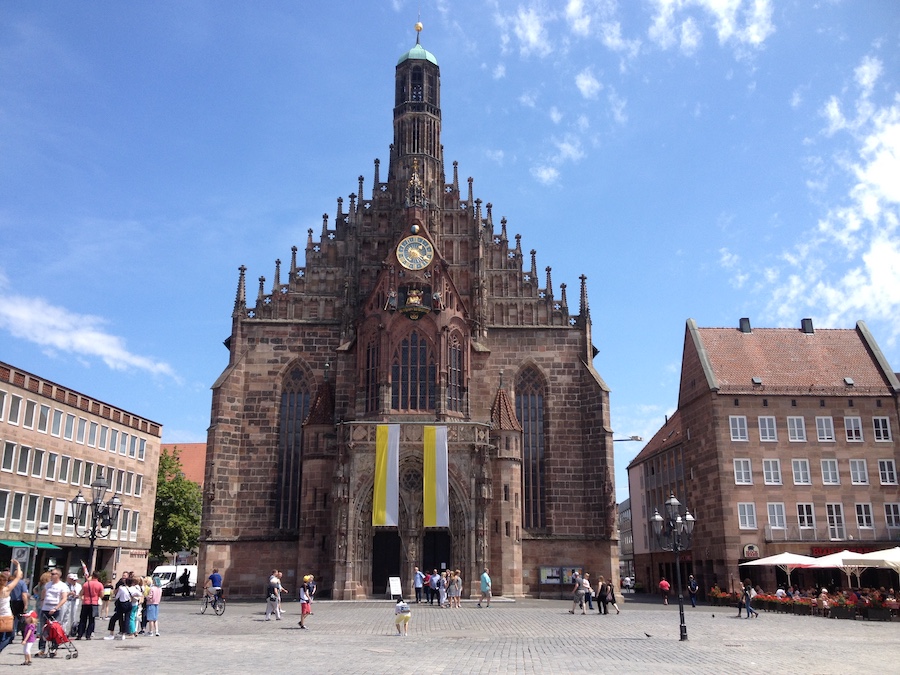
point(52, 466)
point(33, 415)
point(806, 518)
point(28, 513)
point(859, 472)
point(796, 428)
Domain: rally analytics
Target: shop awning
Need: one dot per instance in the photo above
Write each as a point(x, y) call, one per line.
point(44, 544)
point(12, 543)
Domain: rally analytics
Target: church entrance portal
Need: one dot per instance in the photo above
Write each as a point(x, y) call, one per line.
point(385, 560)
point(436, 550)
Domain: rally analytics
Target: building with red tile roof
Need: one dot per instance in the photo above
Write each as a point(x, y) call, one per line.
point(784, 440)
point(193, 459)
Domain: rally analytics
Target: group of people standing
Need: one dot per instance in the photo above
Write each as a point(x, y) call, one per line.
point(445, 587)
point(583, 594)
point(136, 607)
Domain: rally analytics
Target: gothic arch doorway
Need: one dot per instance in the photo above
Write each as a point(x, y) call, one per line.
point(385, 560)
point(437, 550)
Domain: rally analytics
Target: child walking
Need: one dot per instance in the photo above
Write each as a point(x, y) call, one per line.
point(29, 635)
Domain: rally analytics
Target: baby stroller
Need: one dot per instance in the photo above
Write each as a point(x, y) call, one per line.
point(55, 636)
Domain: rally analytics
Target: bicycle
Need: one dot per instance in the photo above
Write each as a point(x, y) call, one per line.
point(212, 599)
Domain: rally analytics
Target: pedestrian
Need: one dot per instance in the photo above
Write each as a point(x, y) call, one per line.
point(91, 592)
point(53, 597)
point(185, 581)
point(107, 599)
point(8, 581)
point(433, 585)
point(426, 586)
point(121, 610)
point(136, 593)
point(28, 637)
point(282, 590)
point(153, 599)
point(578, 591)
point(442, 589)
point(402, 615)
point(18, 603)
point(664, 590)
point(749, 594)
point(454, 591)
point(72, 609)
point(610, 596)
point(485, 588)
point(305, 597)
point(602, 592)
point(693, 587)
point(418, 583)
point(273, 593)
point(589, 593)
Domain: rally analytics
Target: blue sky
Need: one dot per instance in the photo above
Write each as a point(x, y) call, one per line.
point(710, 159)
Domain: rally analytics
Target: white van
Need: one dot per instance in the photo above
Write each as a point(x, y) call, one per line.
point(170, 578)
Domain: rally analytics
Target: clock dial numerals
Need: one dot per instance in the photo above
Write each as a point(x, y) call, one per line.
point(415, 253)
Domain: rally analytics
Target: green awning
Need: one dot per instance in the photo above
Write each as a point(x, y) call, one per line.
point(44, 544)
point(12, 543)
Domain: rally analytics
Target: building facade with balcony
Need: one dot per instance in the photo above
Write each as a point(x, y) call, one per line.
point(412, 308)
point(55, 443)
point(783, 440)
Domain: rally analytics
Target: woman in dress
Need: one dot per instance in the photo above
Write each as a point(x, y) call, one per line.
point(153, 598)
point(7, 584)
point(442, 589)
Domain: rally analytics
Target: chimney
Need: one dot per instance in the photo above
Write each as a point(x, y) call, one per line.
point(745, 325)
point(806, 325)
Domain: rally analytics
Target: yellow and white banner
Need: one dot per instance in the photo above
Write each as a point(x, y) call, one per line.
point(386, 500)
point(436, 478)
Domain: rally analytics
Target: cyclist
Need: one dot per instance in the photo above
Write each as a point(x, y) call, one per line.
point(214, 584)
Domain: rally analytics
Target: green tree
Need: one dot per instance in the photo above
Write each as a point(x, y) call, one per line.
point(176, 523)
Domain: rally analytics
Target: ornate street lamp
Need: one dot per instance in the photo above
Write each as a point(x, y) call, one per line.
point(674, 534)
point(95, 519)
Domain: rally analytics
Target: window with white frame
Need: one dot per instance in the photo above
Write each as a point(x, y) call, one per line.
point(31, 513)
point(830, 474)
point(776, 515)
point(747, 515)
point(796, 429)
point(52, 457)
point(15, 515)
point(853, 429)
point(37, 463)
point(63, 475)
point(891, 515)
point(9, 456)
point(46, 510)
point(835, 513)
point(44, 418)
point(859, 472)
point(4, 504)
point(82, 429)
point(887, 471)
point(882, 427)
point(76, 472)
point(69, 431)
point(742, 472)
point(56, 426)
point(2, 403)
point(113, 440)
point(30, 410)
point(864, 516)
point(59, 514)
point(767, 432)
point(825, 428)
point(123, 443)
point(738, 427)
point(104, 432)
point(88, 474)
point(801, 472)
point(92, 434)
point(15, 408)
point(806, 517)
point(132, 535)
point(24, 455)
point(142, 449)
point(129, 482)
point(132, 449)
point(772, 471)
point(138, 484)
point(120, 480)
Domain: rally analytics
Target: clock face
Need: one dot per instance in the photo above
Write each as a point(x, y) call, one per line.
point(415, 253)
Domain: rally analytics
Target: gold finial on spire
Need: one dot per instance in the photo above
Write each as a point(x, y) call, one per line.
point(418, 30)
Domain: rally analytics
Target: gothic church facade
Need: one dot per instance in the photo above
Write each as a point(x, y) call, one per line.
point(411, 307)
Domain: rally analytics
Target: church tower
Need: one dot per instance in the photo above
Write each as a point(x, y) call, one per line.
point(410, 313)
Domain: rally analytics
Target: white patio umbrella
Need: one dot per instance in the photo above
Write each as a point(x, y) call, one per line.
point(785, 561)
point(888, 558)
point(842, 560)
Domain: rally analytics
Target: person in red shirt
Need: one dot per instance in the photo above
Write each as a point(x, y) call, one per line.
point(91, 596)
point(664, 590)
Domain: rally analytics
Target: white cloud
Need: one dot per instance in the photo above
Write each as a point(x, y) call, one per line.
point(796, 98)
point(740, 23)
point(617, 107)
point(499, 71)
point(690, 36)
point(587, 84)
point(611, 36)
point(528, 26)
point(568, 149)
point(495, 155)
point(555, 115)
point(528, 99)
point(545, 174)
point(578, 20)
point(56, 328)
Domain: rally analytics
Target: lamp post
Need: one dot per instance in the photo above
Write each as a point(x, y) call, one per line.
point(34, 553)
point(630, 438)
point(674, 534)
point(95, 519)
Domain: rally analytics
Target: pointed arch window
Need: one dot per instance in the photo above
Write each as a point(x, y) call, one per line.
point(416, 80)
point(295, 401)
point(530, 411)
point(413, 375)
point(372, 362)
point(455, 388)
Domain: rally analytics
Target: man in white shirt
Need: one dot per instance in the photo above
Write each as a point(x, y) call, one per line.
point(53, 598)
point(72, 608)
